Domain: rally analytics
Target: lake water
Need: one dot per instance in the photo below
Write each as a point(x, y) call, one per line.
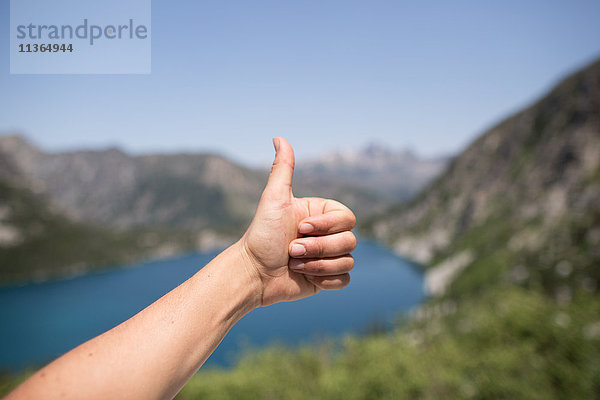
point(39, 322)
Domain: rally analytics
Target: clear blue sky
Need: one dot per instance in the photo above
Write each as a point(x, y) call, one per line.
point(229, 75)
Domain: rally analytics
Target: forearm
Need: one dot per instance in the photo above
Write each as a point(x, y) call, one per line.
point(153, 354)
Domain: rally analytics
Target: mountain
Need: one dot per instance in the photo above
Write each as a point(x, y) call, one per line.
point(520, 205)
point(202, 191)
point(60, 213)
point(112, 188)
point(160, 204)
point(510, 237)
point(368, 180)
point(37, 242)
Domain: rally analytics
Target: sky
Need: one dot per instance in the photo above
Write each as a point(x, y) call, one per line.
point(227, 76)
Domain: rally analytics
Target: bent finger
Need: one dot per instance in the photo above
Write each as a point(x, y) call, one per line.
point(333, 217)
point(333, 245)
point(336, 282)
point(323, 266)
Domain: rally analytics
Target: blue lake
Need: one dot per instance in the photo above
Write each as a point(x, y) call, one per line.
point(39, 322)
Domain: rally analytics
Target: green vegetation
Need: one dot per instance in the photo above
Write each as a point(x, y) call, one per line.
point(511, 343)
point(46, 244)
point(522, 321)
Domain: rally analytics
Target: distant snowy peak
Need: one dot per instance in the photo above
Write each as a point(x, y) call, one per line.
point(376, 169)
point(374, 155)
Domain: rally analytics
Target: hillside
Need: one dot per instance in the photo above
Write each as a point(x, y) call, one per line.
point(203, 191)
point(38, 243)
point(521, 204)
point(66, 213)
point(512, 229)
point(510, 235)
point(155, 205)
point(43, 233)
point(370, 179)
point(112, 188)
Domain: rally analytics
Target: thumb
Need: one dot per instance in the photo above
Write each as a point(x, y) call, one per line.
point(279, 185)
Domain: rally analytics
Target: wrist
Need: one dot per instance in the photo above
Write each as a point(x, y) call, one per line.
point(234, 290)
point(250, 269)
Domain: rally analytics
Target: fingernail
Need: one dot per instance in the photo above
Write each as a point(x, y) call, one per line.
point(276, 143)
point(297, 265)
point(297, 250)
point(306, 228)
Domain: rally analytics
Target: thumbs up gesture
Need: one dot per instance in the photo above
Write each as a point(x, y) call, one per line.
point(297, 246)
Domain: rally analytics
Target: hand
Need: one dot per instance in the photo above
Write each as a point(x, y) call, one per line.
point(154, 353)
point(297, 246)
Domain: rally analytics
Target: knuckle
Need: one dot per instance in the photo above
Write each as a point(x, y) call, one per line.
point(349, 263)
point(320, 227)
point(317, 266)
point(274, 166)
point(330, 284)
point(352, 220)
point(312, 248)
point(343, 281)
point(319, 248)
point(337, 283)
point(351, 241)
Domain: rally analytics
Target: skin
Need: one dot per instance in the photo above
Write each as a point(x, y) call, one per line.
point(294, 248)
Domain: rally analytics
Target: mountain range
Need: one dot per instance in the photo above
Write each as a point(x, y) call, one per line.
point(508, 235)
point(169, 203)
point(370, 179)
point(521, 204)
point(524, 195)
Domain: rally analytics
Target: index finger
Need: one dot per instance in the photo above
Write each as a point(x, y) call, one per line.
point(335, 218)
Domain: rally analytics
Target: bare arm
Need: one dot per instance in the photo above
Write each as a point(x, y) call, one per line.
point(293, 248)
point(154, 353)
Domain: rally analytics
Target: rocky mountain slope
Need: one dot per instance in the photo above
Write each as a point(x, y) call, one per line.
point(202, 191)
point(112, 188)
point(37, 242)
point(510, 234)
point(65, 213)
point(157, 205)
point(520, 204)
point(369, 179)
